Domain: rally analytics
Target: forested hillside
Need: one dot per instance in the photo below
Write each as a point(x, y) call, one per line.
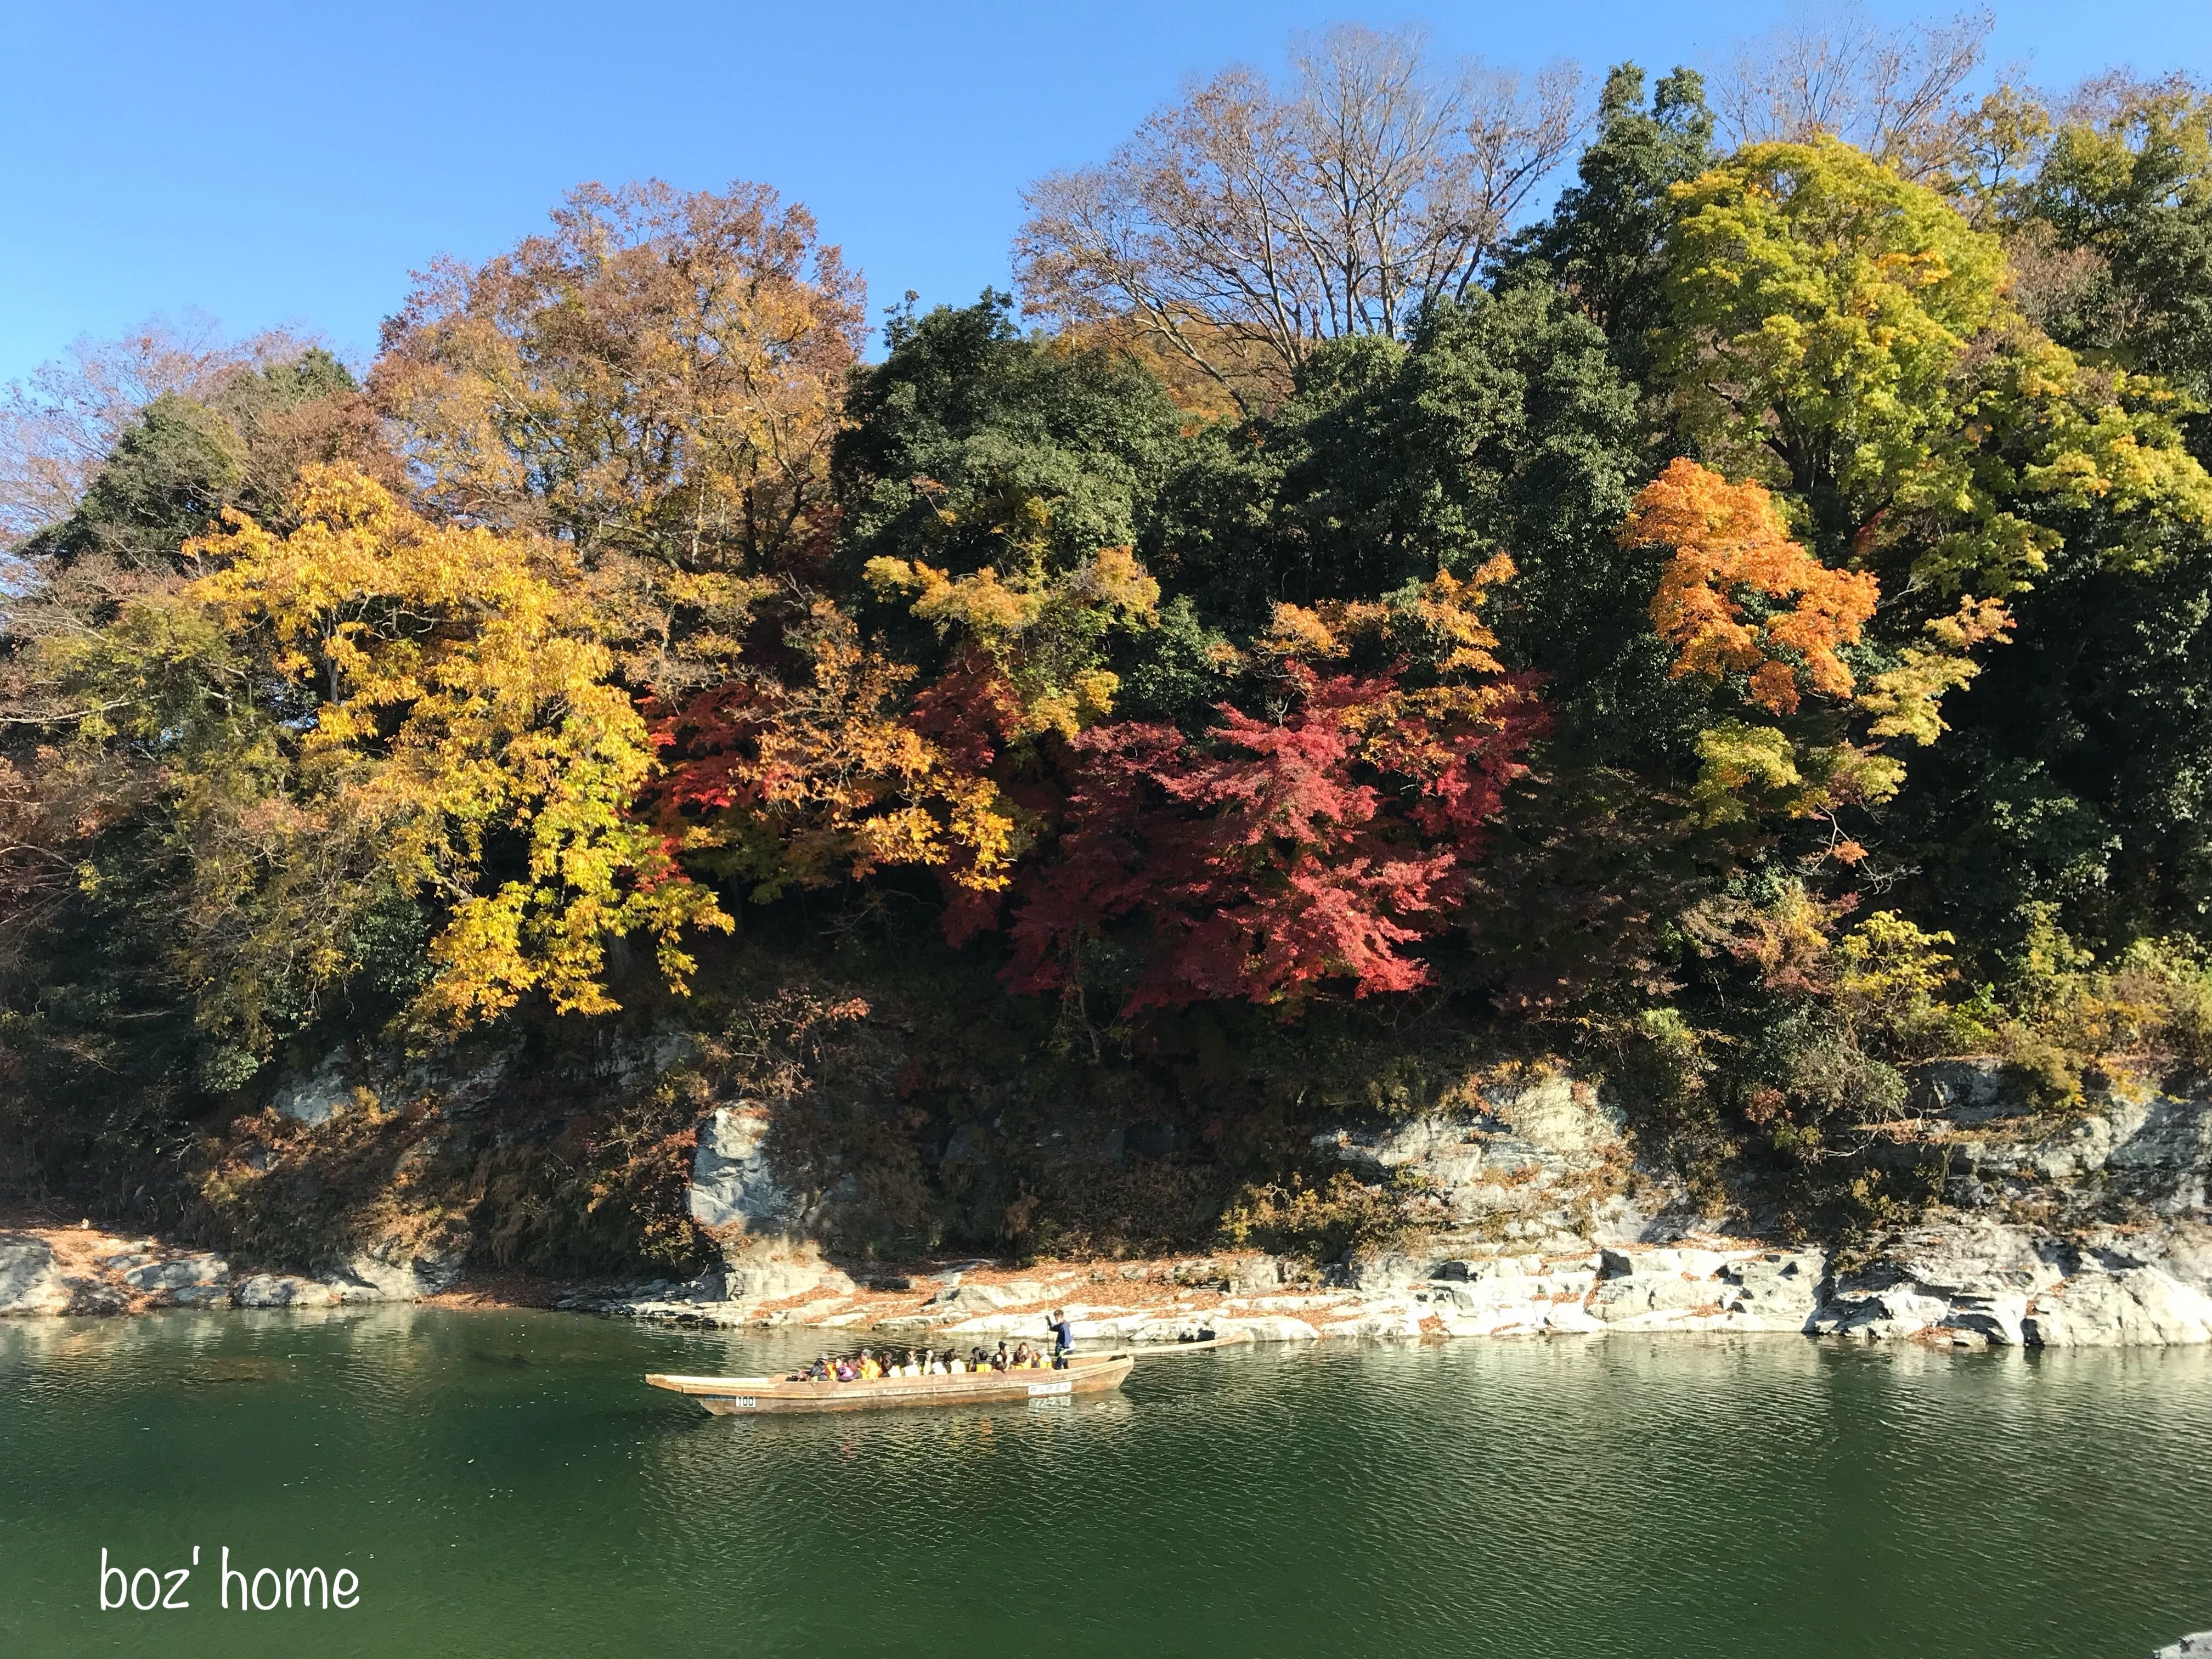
point(1743, 630)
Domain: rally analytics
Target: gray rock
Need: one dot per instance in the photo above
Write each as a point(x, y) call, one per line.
point(1778, 1289)
point(30, 1282)
point(281, 1291)
point(1977, 1258)
point(972, 1298)
point(1388, 1271)
point(2142, 1306)
point(2198, 1646)
point(318, 1097)
point(1634, 1295)
point(1522, 1153)
point(91, 1295)
point(180, 1273)
point(2171, 1137)
point(391, 1272)
point(1999, 1320)
point(1878, 1310)
point(771, 1281)
point(732, 1184)
point(1969, 1091)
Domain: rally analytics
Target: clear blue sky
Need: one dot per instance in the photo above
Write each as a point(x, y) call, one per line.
point(291, 163)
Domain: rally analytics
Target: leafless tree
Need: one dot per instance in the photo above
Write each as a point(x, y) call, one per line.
point(1894, 93)
point(1243, 224)
point(57, 425)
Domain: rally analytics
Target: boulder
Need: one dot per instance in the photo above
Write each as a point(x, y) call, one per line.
point(93, 1296)
point(2140, 1306)
point(1636, 1295)
point(1977, 1258)
point(1997, 1319)
point(1279, 1328)
point(772, 1278)
point(281, 1291)
point(1776, 1291)
point(973, 1298)
point(1526, 1151)
point(1382, 1322)
point(1385, 1271)
point(195, 1272)
point(30, 1280)
point(392, 1272)
point(1969, 1092)
point(318, 1097)
point(2198, 1646)
point(1878, 1311)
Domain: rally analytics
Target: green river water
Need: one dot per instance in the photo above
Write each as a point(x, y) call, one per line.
point(500, 1484)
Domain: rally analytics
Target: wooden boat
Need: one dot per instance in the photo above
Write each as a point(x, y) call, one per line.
point(751, 1396)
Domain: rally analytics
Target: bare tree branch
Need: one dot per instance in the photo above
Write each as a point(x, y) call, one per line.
point(1241, 225)
point(1895, 94)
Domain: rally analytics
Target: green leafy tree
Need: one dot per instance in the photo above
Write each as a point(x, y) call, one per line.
point(2131, 186)
point(1605, 242)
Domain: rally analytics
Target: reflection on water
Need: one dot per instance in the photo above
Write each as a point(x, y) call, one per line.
point(504, 1486)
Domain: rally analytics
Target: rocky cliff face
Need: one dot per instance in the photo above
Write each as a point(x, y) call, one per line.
point(2084, 1229)
point(762, 1228)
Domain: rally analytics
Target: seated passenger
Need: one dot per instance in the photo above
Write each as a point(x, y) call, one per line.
point(870, 1367)
point(1021, 1355)
point(955, 1366)
point(845, 1371)
point(1002, 1360)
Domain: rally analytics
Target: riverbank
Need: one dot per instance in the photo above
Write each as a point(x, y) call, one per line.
point(1954, 1282)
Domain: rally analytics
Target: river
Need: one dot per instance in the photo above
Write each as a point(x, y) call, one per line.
point(500, 1483)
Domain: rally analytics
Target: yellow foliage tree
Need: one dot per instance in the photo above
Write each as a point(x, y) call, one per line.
point(378, 706)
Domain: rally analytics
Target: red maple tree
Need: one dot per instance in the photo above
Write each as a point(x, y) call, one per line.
point(1266, 857)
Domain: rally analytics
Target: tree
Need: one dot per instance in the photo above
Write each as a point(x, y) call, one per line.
point(1730, 549)
point(1843, 332)
point(1605, 241)
point(58, 427)
point(2127, 181)
point(1242, 226)
point(970, 445)
point(181, 460)
point(1894, 95)
point(1266, 857)
point(371, 713)
point(655, 381)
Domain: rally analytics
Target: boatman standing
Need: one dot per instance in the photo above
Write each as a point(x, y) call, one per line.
point(1063, 1339)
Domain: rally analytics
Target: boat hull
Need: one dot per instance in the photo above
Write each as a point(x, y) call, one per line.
point(762, 1396)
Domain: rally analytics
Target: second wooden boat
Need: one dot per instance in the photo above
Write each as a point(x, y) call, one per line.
point(763, 1396)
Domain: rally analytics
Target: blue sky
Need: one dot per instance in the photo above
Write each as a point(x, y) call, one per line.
point(291, 163)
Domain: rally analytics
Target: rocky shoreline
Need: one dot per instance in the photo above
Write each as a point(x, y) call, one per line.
point(2086, 1228)
point(86, 1270)
point(1955, 1282)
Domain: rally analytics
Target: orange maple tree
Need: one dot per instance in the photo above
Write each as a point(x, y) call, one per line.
point(1731, 550)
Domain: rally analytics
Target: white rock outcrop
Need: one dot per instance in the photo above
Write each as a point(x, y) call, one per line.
point(281, 1291)
point(31, 1281)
